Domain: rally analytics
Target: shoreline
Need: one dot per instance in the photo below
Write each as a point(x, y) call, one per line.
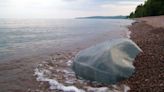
point(149, 64)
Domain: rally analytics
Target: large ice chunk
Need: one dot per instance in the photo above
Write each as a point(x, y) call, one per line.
point(108, 62)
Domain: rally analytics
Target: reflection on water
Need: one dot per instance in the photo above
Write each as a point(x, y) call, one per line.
point(28, 37)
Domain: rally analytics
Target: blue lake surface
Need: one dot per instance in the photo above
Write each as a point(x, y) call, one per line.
point(27, 37)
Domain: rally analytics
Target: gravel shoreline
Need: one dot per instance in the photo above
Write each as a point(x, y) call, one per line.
point(149, 75)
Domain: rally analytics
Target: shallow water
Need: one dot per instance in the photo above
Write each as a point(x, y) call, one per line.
point(27, 37)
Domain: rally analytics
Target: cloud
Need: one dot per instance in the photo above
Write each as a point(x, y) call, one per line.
point(121, 7)
point(65, 8)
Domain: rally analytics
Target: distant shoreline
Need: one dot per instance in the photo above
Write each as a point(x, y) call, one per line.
point(103, 17)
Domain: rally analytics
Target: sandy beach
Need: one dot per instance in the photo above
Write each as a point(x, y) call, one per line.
point(18, 75)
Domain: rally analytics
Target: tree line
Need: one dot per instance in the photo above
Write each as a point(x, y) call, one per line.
point(149, 8)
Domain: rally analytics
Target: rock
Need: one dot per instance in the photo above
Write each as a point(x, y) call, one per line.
point(108, 62)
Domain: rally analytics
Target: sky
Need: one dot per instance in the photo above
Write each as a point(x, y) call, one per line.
point(65, 8)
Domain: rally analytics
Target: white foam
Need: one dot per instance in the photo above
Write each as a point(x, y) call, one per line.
point(106, 89)
point(69, 62)
point(54, 84)
point(43, 75)
point(102, 89)
point(128, 34)
point(126, 88)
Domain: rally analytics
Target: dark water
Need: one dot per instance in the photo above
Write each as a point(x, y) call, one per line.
point(27, 37)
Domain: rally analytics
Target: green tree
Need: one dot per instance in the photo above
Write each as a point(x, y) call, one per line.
point(150, 8)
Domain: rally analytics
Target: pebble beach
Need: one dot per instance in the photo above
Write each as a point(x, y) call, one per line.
point(148, 33)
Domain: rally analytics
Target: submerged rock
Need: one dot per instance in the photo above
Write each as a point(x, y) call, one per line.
point(108, 62)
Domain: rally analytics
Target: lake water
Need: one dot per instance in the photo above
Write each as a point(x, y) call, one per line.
point(28, 37)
